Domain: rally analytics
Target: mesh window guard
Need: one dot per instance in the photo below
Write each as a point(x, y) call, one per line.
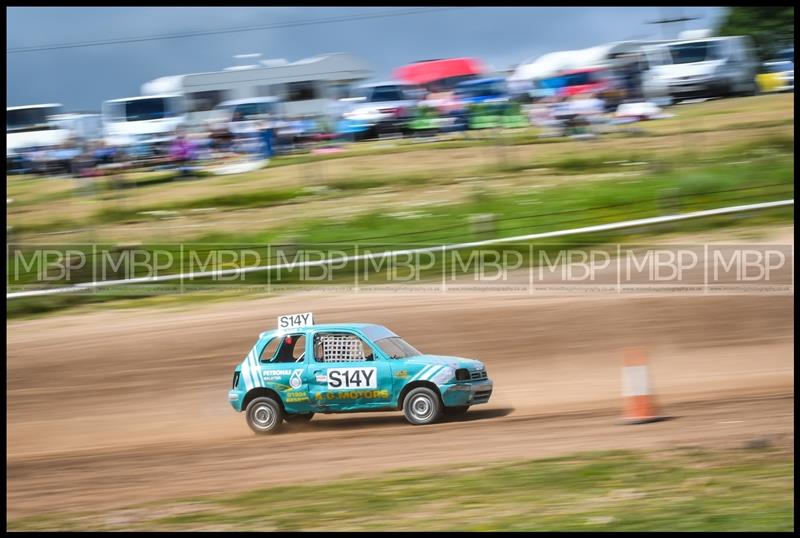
point(340, 347)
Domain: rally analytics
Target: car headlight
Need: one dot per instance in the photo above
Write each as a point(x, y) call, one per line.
point(462, 374)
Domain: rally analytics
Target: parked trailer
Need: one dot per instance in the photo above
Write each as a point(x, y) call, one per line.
point(307, 87)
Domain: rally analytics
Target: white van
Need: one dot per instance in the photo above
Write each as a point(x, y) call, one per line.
point(709, 67)
point(143, 120)
point(82, 125)
point(242, 116)
point(32, 127)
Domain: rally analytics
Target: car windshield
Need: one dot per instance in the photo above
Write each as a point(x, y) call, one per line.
point(687, 53)
point(248, 111)
point(29, 119)
point(146, 109)
point(552, 83)
point(780, 67)
point(387, 93)
point(481, 89)
point(397, 348)
point(579, 79)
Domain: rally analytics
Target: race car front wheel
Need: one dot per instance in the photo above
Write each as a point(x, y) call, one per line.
point(264, 415)
point(422, 406)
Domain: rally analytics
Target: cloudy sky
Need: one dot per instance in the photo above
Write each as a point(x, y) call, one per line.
point(82, 77)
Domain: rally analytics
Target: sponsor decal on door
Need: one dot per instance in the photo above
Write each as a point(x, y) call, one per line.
point(296, 380)
point(352, 378)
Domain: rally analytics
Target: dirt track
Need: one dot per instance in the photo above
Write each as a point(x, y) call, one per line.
point(113, 408)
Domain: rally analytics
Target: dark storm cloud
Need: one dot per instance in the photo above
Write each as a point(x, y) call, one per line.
point(81, 78)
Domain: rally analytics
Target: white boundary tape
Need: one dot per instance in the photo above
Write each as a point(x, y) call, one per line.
point(391, 253)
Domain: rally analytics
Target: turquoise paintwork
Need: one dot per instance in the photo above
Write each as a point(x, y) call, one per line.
point(377, 384)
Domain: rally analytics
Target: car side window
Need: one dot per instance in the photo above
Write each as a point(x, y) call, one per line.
point(341, 347)
point(292, 348)
point(269, 350)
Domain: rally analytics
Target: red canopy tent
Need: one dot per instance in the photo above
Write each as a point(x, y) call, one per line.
point(426, 72)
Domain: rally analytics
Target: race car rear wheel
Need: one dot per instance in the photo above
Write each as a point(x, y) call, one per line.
point(264, 415)
point(299, 417)
point(422, 406)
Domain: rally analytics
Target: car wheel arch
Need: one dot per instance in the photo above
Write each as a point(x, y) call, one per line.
point(416, 384)
point(259, 392)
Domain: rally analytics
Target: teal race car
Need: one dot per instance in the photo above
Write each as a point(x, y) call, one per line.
point(301, 369)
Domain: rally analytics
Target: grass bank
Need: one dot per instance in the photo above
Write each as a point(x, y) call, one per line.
point(685, 489)
point(760, 173)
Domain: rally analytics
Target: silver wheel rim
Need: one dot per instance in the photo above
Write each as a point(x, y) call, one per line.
point(421, 407)
point(263, 417)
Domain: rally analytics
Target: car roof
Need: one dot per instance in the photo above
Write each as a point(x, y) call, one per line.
point(369, 329)
point(582, 70)
point(46, 105)
point(697, 40)
point(480, 81)
point(143, 97)
point(385, 83)
point(248, 100)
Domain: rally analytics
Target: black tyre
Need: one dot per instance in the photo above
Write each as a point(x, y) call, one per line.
point(264, 415)
point(749, 91)
point(458, 411)
point(299, 417)
point(422, 406)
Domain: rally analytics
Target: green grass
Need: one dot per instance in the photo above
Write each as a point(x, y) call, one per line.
point(117, 210)
point(572, 205)
point(686, 489)
point(715, 178)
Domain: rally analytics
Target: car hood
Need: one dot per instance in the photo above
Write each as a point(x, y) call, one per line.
point(45, 137)
point(373, 108)
point(145, 127)
point(486, 99)
point(696, 69)
point(444, 360)
point(244, 127)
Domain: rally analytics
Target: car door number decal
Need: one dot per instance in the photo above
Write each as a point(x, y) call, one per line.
point(352, 378)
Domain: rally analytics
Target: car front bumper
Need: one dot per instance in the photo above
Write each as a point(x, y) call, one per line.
point(467, 393)
point(236, 398)
point(709, 87)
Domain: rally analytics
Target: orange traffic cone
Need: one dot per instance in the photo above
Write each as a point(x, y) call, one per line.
point(640, 406)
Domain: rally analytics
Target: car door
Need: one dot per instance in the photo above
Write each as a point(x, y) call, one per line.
point(284, 368)
point(653, 86)
point(347, 373)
